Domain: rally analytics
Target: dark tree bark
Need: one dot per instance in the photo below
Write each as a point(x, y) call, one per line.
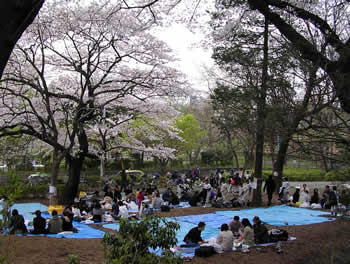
point(338, 71)
point(261, 113)
point(71, 188)
point(15, 17)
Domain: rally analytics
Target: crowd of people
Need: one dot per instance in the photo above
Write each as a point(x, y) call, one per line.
point(234, 234)
point(124, 202)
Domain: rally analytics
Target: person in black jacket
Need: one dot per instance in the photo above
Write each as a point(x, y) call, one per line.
point(261, 234)
point(17, 225)
point(296, 195)
point(270, 187)
point(193, 237)
point(39, 224)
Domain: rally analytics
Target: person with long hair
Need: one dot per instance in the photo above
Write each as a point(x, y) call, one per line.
point(247, 237)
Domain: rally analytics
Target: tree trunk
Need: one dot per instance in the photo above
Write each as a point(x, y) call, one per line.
point(280, 161)
point(163, 163)
point(56, 161)
point(261, 103)
point(70, 191)
point(15, 17)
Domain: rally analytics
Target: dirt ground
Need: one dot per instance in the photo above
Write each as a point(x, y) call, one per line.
point(318, 243)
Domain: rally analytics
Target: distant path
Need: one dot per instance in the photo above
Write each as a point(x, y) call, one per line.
point(319, 185)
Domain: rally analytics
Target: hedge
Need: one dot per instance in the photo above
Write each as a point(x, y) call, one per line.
point(313, 175)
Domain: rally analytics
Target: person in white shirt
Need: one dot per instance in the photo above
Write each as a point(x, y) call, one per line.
point(205, 194)
point(157, 201)
point(123, 211)
point(304, 195)
point(225, 238)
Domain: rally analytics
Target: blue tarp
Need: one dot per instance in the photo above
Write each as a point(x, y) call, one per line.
point(281, 215)
point(27, 210)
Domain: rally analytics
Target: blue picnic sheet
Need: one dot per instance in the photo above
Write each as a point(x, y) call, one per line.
point(282, 215)
point(84, 231)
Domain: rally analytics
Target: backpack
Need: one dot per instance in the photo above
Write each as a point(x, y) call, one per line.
point(164, 208)
point(205, 251)
point(276, 235)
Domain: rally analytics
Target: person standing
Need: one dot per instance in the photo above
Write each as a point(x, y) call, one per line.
point(270, 187)
point(333, 200)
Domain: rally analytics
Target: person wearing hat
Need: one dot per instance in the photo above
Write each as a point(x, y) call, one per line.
point(39, 224)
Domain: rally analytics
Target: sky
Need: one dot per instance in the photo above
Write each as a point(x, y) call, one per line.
point(192, 58)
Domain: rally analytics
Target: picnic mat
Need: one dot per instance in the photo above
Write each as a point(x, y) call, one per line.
point(282, 215)
point(84, 231)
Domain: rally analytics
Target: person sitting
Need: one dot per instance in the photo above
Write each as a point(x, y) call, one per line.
point(166, 195)
point(225, 239)
point(115, 211)
point(247, 237)
point(315, 198)
point(39, 224)
point(147, 211)
point(67, 224)
point(107, 203)
point(55, 223)
point(17, 225)
point(261, 234)
point(123, 211)
point(193, 237)
point(157, 201)
point(235, 226)
point(195, 199)
point(296, 195)
point(76, 212)
point(304, 195)
point(97, 212)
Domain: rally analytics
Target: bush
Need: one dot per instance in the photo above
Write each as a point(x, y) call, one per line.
point(300, 175)
point(135, 240)
point(341, 175)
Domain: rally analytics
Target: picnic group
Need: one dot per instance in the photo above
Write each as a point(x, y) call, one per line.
point(125, 201)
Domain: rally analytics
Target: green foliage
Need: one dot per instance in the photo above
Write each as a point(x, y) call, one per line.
point(135, 239)
point(344, 197)
point(300, 174)
point(341, 175)
point(190, 132)
point(28, 192)
point(73, 259)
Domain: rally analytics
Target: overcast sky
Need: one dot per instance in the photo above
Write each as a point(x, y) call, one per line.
point(192, 58)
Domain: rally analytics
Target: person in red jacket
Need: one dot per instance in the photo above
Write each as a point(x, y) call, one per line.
point(140, 196)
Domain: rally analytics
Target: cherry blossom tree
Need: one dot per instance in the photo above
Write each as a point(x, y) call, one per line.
point(75, 60)
point(17, 15)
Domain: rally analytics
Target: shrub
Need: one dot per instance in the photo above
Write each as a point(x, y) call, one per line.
point(135, 240)
point(341, 175)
